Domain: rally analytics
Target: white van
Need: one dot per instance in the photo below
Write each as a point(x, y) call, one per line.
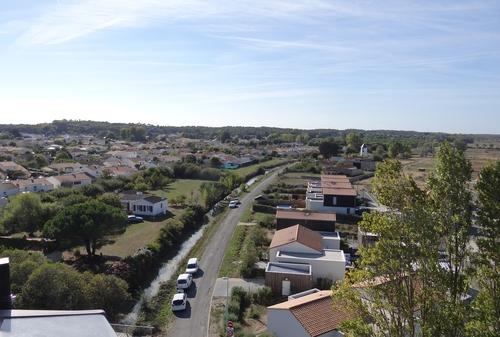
point(179, 302)
point(192, 266)
point(184, 281)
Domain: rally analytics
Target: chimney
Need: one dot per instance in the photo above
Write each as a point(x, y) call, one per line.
point(5, 296)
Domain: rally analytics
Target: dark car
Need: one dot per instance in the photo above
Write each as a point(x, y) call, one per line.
point(134, 219)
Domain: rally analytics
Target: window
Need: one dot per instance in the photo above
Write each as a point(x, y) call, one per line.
point(334, 200)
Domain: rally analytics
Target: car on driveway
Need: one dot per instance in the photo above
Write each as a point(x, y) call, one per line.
point(184, 281)
point(192, 266)
point(134, 219)
point(179, 302)
point(233, 204)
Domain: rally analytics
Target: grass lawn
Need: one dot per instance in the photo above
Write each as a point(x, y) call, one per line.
point(190, 188)
point(230, 263)
point(297, 178)
point(244, 171)
point(135, 236)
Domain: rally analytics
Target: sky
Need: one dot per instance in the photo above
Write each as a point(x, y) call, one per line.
point(380, 64)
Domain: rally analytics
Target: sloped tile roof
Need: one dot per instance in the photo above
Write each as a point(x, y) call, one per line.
point(299, 234)
point(317, 312)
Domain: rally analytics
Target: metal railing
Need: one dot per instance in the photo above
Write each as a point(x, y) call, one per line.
point(125, 330)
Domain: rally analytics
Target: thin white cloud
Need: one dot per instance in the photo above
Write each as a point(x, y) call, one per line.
point(69, 20)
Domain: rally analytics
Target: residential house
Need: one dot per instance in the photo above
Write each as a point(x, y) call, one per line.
point(116, 171)
point(34, 185)
point(366, 239)
point(64, 168)
point(334, 193)
point(93, 170)
point(293, 249)
point(144, 204)
point(8, 189)
point(70, 180)
point(316, 221)
point(315, 314)
point(7, 168)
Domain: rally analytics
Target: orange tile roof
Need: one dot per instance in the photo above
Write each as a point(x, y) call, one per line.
point(304, 215)
point(340, 191)
point(299, 234)
point(317, 312)
point(336, 184)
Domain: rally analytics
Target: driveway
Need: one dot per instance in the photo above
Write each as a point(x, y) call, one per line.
point(196, 323)
point(224, 286)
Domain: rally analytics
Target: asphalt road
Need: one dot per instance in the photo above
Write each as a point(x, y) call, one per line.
point(194, 320)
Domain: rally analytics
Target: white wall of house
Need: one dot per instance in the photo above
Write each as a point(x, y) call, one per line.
point(37, 187)
point(283, 323)
point(77, 183)
point(144, 207)
point(295, 247)
point(316, 205)
point(333, 333)
point(321, 268)
point(6, 191)
point(331, 242)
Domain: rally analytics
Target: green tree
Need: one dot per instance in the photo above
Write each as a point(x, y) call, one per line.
point(108, 293)
point(486, 307)
point(403, 272)
point(85, 222)
point(354, 140)
point(54, 286)
point(22, 265)
point(225, 136)
point(395, 149)
point(215, 162)
point(451, 205)
point(63, 156)
point(328, 148)
point(24, 212)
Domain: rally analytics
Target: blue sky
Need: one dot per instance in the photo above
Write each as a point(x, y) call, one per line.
point(412, 65)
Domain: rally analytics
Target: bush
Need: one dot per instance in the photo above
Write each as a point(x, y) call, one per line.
point(233, 307)
point(263, 296)
point(263, 208)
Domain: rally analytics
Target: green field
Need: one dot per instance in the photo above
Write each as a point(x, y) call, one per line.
point(231, 261)
point(135, 236)
point(297, 178)
point(190, 188)
point(244, 171)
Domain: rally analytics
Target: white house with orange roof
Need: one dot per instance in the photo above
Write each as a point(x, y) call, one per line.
point(314, 314)
point(299, 256)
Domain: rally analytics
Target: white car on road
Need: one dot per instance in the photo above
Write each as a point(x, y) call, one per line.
point(179, 302)
point(184, 281)
point(192, 266)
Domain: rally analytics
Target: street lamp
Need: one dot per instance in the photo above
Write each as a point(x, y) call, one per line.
point(227, 295)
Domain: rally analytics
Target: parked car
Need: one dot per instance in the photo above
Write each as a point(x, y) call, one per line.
point(184, 281)
point(192, 266)
point(179, 302)
point(233, 204)
point(134, 219)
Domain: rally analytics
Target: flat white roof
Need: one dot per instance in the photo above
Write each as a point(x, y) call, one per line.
point(178, 296)
point(328, 255)
point(183, 276)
